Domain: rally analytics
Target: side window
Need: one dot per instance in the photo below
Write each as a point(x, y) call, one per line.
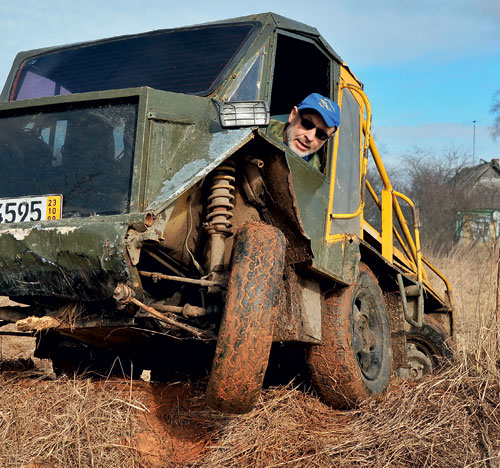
point(249, 85)
point(346, 193)
point(293, 81)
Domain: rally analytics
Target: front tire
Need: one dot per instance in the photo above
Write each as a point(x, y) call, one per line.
point(246, 329)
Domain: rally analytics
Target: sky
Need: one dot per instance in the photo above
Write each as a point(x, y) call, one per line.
point(430, 68)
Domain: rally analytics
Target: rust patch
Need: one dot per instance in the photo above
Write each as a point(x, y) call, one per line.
point(182, 233)
point(289, 316)
point(282, 206)
point(149, 219)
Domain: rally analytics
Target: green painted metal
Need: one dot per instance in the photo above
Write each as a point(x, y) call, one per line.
point(340, 259)
point(179, 141)
point(186, 142)
point(72, 258)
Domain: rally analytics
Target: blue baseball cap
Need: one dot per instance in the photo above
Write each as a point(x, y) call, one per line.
point(328, 109)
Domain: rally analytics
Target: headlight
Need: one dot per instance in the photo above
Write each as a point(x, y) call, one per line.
point(243, 113)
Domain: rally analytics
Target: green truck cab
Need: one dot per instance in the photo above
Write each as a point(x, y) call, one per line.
point(147, 212)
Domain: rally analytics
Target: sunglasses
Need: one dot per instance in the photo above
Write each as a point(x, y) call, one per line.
point(308, 125)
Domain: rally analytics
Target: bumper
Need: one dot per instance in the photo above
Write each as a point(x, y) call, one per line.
point(76, 259)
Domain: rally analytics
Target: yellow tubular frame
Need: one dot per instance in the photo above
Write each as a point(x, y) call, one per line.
point(391, 203)
point(366, 124)
point(388, 204)
point(394, 230)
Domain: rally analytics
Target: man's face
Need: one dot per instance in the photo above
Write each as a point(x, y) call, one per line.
point(299, 139)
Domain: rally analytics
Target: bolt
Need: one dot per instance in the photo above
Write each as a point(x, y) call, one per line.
point(122, 293)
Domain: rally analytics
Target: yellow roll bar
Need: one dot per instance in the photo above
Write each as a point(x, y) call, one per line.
point(367, 131)
point(388, 204)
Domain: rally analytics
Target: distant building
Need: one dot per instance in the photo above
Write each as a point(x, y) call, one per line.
point(478, 226)
point(481, 223)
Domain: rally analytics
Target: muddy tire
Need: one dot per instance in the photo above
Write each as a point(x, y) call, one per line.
point(246, 328)
point(354, 361)
point(429, 348)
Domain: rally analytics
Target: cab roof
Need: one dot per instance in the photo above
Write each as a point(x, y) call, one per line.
point(268, 20)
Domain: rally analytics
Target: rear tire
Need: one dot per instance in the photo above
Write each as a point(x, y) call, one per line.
point(432, 342)
point(354, 361)
point(246, 328)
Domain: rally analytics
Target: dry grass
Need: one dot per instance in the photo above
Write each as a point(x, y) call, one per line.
point(448, 420)
point(442, 422)
point(472, 272)
point(65, 423)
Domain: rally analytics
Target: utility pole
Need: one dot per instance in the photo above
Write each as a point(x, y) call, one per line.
point(473, 141)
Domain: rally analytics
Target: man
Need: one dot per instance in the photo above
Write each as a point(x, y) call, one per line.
point(310, 125)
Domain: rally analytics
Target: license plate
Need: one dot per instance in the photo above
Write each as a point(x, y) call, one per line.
point(25, 209)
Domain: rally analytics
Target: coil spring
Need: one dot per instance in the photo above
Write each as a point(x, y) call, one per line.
point(220, 199)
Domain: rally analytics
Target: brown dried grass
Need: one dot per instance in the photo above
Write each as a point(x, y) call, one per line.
point(473, 272)
point(65, 423)
point(440, 422)
point(448, 420)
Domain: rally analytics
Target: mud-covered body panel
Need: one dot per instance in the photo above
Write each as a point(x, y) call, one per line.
point(308, 190)
point(83, 258)
point(75, 260)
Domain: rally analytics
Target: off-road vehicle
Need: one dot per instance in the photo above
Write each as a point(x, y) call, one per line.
point(146, 212)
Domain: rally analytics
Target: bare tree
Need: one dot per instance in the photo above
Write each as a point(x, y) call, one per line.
point(431, 182)
point(441, 188)
point(495, 110)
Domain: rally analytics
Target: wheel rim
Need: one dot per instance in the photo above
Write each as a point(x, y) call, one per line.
point(367, 333)
point(420, 363)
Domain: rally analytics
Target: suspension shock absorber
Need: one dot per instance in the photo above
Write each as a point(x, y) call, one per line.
point(219, 216)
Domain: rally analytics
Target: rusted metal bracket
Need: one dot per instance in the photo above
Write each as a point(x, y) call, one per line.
point(416, 290)
point(181, 279)
point(135, 241)
point(125, 295)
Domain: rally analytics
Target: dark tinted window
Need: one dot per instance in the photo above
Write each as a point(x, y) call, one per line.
point(85, 154)
point(293, 82)
point(185, 61)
